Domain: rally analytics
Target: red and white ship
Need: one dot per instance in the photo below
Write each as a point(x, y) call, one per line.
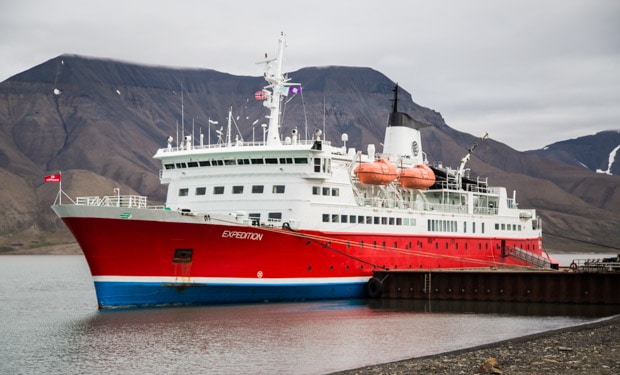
point(295, 219)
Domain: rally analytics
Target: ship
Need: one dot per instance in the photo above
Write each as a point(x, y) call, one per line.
point(292, 219)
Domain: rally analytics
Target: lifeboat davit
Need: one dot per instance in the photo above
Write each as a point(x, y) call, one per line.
point(379, 172)
point(418, 177)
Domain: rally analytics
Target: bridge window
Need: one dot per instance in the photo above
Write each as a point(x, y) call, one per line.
point(301, 160)
point(169, 166)
point(204, 163)
point(192, 164)
point(257, 161)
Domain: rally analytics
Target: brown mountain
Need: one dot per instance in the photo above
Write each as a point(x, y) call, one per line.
point(100, 122)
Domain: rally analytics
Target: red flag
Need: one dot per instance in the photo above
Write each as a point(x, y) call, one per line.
point(52, 178)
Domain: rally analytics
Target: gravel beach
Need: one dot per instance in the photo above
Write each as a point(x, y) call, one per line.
point(592, 348)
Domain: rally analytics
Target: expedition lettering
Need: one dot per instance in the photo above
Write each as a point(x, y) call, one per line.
point(242, 235)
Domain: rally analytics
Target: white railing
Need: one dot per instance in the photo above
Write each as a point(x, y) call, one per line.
point(129, 201)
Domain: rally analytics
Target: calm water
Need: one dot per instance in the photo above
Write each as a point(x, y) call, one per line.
point(50, 324)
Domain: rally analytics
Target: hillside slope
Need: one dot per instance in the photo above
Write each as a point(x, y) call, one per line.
point(100, 122)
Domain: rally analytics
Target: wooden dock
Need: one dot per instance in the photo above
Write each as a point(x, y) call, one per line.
point(550, 286)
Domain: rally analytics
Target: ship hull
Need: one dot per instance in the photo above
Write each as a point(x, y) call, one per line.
point(169, 259)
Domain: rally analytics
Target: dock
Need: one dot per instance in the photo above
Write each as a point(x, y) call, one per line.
point(504, 285)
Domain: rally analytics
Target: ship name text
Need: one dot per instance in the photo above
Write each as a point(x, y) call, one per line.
point(242, 235)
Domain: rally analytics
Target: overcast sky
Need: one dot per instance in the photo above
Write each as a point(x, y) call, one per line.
point(530, 72)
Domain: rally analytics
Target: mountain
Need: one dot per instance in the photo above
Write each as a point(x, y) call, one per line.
point(100, 122)
point(599, 152)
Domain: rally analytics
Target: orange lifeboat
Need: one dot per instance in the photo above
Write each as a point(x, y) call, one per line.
point(379, 172)
point(418, 177)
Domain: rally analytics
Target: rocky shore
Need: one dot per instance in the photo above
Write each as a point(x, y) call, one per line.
point(592, 348)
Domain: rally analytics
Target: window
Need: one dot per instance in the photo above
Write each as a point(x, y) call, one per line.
point(271, 160)
point(326, 218)
point(257, 189)
point(317, 164)
point(205, 163)
point(192, 164)
point(201, 190)
point(238, 189)
point(391, 221)
point(169, 166)
point(316, 190)
point(181, 165)
point(376, 220)
point(257, 161)
point(243, 161)
point(343, 218)
point(255, 218)
point(352, 219)
point(399, 221)
point(218, 190)
point(301, 160)
point(325, 191)
point(278, 189)
point(368, 219)
point(335, 192)
point(335, 218)
point(274, 216)
point(286, 160)
point(184, 192)
point(230, 162)
point(406, 221)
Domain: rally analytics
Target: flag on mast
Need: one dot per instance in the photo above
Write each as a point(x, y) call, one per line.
point(52, 178)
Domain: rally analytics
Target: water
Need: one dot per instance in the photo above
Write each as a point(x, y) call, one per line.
point(50, 324)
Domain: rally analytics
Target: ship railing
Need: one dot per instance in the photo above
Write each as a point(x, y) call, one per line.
point(596, 265)
point(129, 201)
point(485, 210)
point(235, 144)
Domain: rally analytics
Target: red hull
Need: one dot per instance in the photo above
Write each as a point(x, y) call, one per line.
point(147, 248)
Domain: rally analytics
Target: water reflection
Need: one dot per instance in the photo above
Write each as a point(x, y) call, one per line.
point(312, 337)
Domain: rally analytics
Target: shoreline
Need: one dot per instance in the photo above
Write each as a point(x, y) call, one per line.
point(589, 348)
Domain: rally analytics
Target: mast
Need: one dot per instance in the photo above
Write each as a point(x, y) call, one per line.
point(277, 88)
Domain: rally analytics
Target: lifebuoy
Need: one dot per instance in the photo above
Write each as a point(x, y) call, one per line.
point(573, 266)
point(374, 287)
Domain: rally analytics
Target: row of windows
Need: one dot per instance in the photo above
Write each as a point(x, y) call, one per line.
point(221, 162)
point(317, 190)
point(237, 189)
point(359, 219)
point(450, 226)
point(514, 227)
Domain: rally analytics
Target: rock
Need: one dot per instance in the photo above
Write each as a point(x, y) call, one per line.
point(490, 366)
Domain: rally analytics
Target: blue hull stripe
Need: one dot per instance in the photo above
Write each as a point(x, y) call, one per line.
point(133, 294)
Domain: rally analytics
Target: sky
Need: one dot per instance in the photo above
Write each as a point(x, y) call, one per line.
point(529, 72)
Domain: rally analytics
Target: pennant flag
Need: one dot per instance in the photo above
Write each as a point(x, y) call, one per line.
point(260, 95)
point(52, 178)
point(294, 90)
point(213, 122)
